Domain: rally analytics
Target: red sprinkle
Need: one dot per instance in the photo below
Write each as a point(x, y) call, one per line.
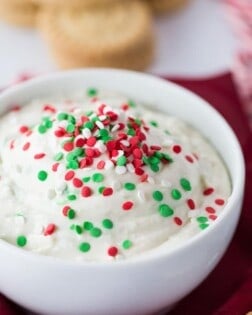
point(210, 210)
point(49, 230)
point(178, 221)
point(23, 129)
point(212, 217)
point(219, 202)
point(91, 141)
point(60, 132)
point(26, 146)
point(101, 165)
point(69, 175)
point(55, 167)
point(112, 251)
point(107, 191)
point(49, 108)
point(86, 191)
point(68, 146)
point(39, 156)
point(137, 153)
point(191, 204)
point(80, 142)
point(90, 152)
point(177, 149)
point(12, 144)
point(139, 171)
point(65, 210)
point(208, 191)
point(127, 205)
point(189, 158)
point(77, 183)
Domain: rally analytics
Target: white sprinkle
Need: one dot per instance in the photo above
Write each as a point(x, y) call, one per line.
point(125, 143)
point(60, 188)
point(99, 124)
point(120, 170)
point(141, 195)
point(102, 117)
point(115, 127)
point(100, 146)
point(130, 168)
point(86, 133)
point(151, 180)
point(92, 116)
point(166, 183)
point(108, 165)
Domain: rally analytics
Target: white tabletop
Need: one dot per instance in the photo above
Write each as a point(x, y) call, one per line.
point(194, 42)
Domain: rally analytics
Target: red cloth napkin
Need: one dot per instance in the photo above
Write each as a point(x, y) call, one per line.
point(228, 289)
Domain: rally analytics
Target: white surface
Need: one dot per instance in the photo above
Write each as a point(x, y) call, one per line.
point(194, 42)
point(151, 282)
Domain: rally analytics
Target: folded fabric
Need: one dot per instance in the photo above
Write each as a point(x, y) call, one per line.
point(228, 289)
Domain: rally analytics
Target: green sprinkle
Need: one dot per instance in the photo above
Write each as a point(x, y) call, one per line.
point(154, 123)
point(138, 121)
point(48, 124)
point(84, 247)
point(98, 177)
point(89, 113)
point(176, 194)
point(78, 152)
point(127, 244)
point(165, 210)
point(91, 92)
point(21, 240)
point(72, 227)
point(71, 214)
point(154, 167)
point(70, 128)
point(203, 226)
point(185, 184)
point(131, 132)
point(103, 133)
point(74, 165)
point(95, 232)
point(62, 116)
point(42, 129)
point(154, 160)
point(167, 157)
point(202, 219)
point(78, 229)
point(121, 161)
point(131, 103)
point(42, 175)
point(59, 156)
point(107, 224)
point(129, 186)
point(71, 197)
point(89, 125)
point(86, 179)
point(157, 195)
point(70, 156)
point(87, 225)
point(71, 119)
point(100, 189)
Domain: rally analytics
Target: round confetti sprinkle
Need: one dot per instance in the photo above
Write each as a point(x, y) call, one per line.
point(112, 251)
point(176, 194)
point(95, 232)
point(127, 205)
point(177, 149)
point(107, 224)
point(165, 210)
point(202, 219)
point(107, 191)
point(185, 184)
point(21, 241)
point(91, 92)
point(42, 175)
point(71, 214)
point(121, 161)
point(88, 225)
point(157, 195)
point(127, 244)
point(77, 183)
point(129, 186)
point(98, 177)
point(86, 191)
point(84, 247)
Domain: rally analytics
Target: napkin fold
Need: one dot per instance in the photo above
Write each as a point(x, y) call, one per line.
point(228, 289)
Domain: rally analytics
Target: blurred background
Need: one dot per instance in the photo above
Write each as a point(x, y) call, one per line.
point(192, 39)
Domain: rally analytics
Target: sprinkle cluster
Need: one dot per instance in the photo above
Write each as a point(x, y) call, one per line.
point(100, 140)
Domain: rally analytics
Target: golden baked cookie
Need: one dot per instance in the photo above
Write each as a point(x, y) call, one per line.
point(118, 36)
point(75, 3)
point(18, 12)
point(164, 6)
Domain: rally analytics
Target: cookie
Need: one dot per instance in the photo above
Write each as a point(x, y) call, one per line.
point(164, 6)
point(118, 36)
point(74, 3)
point(18, 12)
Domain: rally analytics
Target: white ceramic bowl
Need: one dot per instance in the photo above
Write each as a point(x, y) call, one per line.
point(140, 285)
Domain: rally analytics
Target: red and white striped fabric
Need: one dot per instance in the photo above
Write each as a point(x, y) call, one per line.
point(240, 15)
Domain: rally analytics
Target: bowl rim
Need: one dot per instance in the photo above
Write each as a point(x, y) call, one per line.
point(154, 254)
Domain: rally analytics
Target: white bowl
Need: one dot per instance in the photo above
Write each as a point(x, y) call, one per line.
point(140, 285)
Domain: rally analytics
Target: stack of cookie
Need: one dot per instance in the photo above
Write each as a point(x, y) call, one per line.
point(98, 33)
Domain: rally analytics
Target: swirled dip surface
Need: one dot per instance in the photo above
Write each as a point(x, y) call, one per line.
point(101, 177)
